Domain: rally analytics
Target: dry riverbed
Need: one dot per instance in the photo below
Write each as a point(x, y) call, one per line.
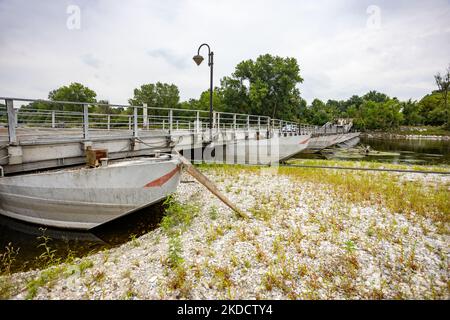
point(313, 234)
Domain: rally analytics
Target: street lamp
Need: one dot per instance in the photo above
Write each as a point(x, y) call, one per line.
point(198, 60)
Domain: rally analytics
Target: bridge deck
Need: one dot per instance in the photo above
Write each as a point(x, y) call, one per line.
point(32, 138)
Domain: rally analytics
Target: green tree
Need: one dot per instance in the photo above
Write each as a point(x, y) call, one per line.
point(104, 107)
point(432, 109)
point(443, 83)
point(354, 101)
point(378, 115)
point(303, 111)
point(156, 95)
point(203, 102)
point(321, 113)
point(190, 104)
point(411, 113)
point(266, 86)
point(75, 92)
point(235, 96)
point(375, 96)
point(339, 106)
point(35, 112)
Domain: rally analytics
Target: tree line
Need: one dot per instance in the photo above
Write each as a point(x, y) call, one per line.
point(268, 86)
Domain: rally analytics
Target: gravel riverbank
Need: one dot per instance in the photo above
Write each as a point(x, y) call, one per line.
point(306, 240)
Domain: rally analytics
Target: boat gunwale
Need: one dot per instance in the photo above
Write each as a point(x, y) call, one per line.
point(173, 158)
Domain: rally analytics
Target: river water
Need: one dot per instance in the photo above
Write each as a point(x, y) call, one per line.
point(28, 237)
point(398, 151)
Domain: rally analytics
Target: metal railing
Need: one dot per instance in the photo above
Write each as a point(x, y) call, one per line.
point(83, 119)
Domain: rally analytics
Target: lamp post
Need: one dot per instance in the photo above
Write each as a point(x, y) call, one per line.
point(198, 59)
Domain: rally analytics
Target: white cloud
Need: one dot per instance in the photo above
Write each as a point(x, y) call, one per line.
point(122, 45)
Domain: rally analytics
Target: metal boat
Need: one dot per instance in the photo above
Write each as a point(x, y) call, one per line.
point(264, 151)
point(84, 198)
point(321, 142)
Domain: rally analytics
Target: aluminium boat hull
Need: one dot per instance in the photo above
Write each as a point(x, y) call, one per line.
point(86, 198)
point(321, 142)
point(264, 151)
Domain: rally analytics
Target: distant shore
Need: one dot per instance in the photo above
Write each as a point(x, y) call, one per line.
point(423, 132)
point(387, 135)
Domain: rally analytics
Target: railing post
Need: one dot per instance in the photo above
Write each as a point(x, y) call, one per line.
point(234, 122)
point(17, 117)
point(170, 121)
point(129, 122)
point(218, 121)
point(145, 116)
point(135, 122)
point(85, 121)
point(197, 127)
point(53, 119)
point(109, 122)
point(248, 123)
point(177, 125)
point(164, 124)
point(259, 123)
point(11, 121)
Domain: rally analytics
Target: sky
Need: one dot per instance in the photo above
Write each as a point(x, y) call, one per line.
point(342, 47)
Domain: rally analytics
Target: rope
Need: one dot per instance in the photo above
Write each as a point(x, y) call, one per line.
point(149, 145)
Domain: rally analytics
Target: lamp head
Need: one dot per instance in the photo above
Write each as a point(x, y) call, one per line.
point(198, 59)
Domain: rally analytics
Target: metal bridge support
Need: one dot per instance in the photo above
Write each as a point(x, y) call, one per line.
point(12, 138)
